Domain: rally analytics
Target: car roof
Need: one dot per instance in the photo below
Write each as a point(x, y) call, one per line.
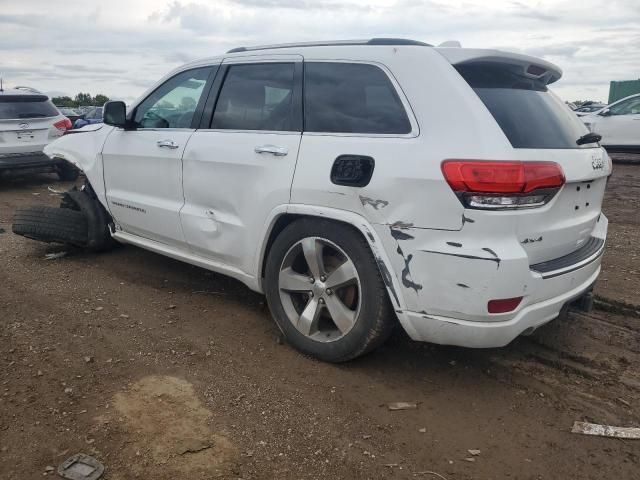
point(453, 53)
point(334, 43)
point(21, 91)
point(295, 48)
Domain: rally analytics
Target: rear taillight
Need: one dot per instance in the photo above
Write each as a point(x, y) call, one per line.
point(64, 124)
point(489, 184)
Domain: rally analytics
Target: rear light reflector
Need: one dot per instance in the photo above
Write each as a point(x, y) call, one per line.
point(492, 184)
point(503, 305)
point(64, 124)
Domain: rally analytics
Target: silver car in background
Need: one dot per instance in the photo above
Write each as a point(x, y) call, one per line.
point(29, 122)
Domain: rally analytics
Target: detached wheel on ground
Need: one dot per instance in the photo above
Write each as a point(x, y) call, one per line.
point(325, 291)
point(67, 172)
point(51, 224)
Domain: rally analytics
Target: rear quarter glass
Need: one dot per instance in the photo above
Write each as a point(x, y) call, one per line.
point(15, 107)
point(528, 113)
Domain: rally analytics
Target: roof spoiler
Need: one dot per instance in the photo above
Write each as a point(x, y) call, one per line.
point(532, 67)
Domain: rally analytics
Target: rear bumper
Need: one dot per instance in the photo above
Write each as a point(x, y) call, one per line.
point(452, 331)
point(448, 292)
point(16, 161)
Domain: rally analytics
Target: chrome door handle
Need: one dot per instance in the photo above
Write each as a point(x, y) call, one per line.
point(167, 144)
point(272, 149)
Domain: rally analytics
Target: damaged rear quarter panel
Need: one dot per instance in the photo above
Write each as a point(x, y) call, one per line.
point(444, 272)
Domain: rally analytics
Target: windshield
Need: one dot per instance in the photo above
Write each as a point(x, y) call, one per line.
point(14, 107)
point(528, 113)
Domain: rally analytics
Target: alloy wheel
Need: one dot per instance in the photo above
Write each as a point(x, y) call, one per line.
point(319, 289)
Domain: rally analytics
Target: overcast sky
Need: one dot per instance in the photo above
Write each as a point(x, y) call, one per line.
point(120, 47)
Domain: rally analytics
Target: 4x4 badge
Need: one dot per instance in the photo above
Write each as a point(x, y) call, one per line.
point(597, 163)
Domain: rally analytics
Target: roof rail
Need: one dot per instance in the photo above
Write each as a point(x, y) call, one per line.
point(27, 89)
point(372, 41)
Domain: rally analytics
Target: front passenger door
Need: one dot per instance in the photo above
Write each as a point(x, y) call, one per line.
point(143, 166)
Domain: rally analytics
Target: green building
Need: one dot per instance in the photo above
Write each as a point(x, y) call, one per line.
point(623, 88)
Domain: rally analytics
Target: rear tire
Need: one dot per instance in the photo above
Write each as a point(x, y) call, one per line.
point(51, 225)
point(362, 318)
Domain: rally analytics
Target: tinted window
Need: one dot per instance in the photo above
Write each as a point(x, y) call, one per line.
point(528, 113)
point(351, 98)
point(173, 104)
point(26, 106)
point(630, 107)
point(256, 97)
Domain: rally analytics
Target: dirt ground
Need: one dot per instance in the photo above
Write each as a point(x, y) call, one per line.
point(162, 371)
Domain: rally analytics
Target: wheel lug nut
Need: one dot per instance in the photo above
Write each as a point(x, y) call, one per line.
point(311, 294)
point(322, 278)
point(329, 291)
point(312, 280)
point(321, 300)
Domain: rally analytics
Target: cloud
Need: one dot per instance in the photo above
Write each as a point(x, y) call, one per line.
point(121, 47)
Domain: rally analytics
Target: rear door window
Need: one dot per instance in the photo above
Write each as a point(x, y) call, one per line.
point(15, 107)
point(351, 98)
point(256, 97)
point(528, 113)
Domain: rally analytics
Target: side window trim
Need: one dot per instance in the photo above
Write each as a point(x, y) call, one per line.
point(216, 88)
point(212, 98)
point(197, 115)
point(199, 107)
point(404, 101)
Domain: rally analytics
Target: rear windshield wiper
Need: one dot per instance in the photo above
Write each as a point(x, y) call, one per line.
point(590, 137)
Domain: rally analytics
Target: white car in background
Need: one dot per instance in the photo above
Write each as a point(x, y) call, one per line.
point(358, 185)
point(618, 123)
point(28, 122)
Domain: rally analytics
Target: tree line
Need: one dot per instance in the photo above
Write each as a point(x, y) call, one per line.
point(80, 100)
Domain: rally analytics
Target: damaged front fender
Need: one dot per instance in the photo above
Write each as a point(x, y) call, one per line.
point(83, 149)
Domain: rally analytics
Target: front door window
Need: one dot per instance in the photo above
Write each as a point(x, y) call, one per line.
point(174, 103)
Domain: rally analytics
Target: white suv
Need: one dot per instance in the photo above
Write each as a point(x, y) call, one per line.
point(618, 123)
point(28, 122)
point(358, 184)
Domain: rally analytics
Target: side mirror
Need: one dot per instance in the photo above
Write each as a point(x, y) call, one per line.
point(605, 113)
point(115, 114)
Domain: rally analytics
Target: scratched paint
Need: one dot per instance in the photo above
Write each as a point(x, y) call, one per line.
point(400, 235)
point(386, 278)
point(407, 281)
point(471, 257)
point(376, 204)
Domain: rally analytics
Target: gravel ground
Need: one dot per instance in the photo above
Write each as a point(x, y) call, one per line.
point(165, 371)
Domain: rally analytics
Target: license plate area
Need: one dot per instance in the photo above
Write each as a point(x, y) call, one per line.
point(589, 196)
point(26, 135)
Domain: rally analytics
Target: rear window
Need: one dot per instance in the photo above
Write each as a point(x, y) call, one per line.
point(528, 113)
point(26, 106)
point(351, 98)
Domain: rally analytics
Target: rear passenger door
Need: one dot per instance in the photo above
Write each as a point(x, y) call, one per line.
point(239, 165)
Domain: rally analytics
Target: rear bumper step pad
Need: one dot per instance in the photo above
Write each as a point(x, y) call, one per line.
point(589, 252)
